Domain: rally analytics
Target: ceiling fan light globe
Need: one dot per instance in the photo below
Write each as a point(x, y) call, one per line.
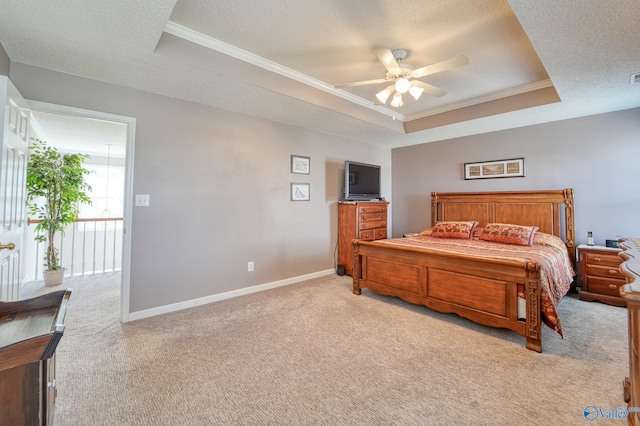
point(396, 102)
point(416, 92)
point(402, 85)
point(383, 96)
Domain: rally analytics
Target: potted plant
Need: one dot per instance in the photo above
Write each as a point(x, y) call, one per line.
point(55, 187)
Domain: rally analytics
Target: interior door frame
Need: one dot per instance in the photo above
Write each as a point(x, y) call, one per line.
point(130, 122)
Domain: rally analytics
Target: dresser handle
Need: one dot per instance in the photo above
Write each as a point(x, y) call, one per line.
point(597, 259)
point(613, 272)
point(613, 286)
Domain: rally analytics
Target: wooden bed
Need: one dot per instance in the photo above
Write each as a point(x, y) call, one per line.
point(483, 290)
point(631, 293)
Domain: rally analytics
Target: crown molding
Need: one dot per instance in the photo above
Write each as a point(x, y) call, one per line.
point(248, 57)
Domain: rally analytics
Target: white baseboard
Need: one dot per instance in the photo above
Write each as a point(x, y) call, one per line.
point(133, 316)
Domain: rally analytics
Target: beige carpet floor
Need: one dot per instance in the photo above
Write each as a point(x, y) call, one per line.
point(315, 354)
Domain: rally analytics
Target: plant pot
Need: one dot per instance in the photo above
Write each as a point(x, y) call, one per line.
point(53, 277)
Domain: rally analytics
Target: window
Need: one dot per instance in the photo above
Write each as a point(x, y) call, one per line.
point(107, 193)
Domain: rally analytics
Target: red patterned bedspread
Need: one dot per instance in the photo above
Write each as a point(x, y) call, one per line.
point(548, 251)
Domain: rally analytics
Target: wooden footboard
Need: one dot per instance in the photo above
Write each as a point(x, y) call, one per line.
point(482, 290)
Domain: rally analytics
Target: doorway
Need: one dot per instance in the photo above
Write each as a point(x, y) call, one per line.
point(110, 140)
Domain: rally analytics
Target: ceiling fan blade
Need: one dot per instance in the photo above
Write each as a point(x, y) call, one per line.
point(428, 88)
point(389, 62)
point(455, 62)
point(361, 83)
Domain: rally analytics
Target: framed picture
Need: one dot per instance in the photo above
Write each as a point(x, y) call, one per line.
point(494, 169)
point(300, 191)
point(300, 165)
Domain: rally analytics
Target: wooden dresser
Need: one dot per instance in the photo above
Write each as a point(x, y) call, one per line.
point(364, 220)
point(631, 293)
point(600, 274)
point(31, 330)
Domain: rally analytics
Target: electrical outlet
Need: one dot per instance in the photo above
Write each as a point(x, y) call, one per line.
point(250, 266)
point(142, 200)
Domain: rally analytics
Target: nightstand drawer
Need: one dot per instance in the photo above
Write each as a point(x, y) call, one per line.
point(604, 271)
point(602, 259)
point(604, 285)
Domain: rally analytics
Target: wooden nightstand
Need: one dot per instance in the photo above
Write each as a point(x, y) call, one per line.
point(600, 274)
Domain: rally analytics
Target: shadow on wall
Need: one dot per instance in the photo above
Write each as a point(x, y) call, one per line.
point(334, 175)
point(417, 214)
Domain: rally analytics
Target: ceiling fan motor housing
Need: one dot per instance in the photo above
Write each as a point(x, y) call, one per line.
point(400, 54)
point(406, 72)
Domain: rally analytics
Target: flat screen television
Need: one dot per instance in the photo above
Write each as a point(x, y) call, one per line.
point(361, 181)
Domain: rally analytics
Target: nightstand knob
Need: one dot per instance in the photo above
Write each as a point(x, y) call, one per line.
point(613, 286)
point(613, 272)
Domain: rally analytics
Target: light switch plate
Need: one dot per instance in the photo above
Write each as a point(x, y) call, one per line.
point(142, 200)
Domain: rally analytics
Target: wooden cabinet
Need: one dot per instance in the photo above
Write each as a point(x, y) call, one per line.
point(364, 220)
point(600, 274)
point(31, 330)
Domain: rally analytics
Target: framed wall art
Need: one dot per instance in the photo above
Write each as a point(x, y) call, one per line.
point(300, 191)
point(494, 169)
point(300, 165)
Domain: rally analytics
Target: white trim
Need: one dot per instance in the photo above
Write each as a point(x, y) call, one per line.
point(226, 295)
point(130, 122)
point(243, 55)
point(248, 57)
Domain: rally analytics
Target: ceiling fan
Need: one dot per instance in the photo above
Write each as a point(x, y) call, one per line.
point(402, 75)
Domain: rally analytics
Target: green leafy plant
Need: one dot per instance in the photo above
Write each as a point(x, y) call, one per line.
point(55, 187)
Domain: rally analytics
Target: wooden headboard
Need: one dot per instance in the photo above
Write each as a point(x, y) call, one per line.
point(551, 211)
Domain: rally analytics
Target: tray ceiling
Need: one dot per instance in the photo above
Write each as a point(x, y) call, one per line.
point(529, 62)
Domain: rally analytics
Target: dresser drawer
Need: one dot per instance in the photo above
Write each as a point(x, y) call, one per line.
point(366, 217)
point(604, 285)
point(602, 259)
point(368, 235)
point(373, 234)
point(373, 224)
point(380, 234)
point(372, 209)
point(604, 271)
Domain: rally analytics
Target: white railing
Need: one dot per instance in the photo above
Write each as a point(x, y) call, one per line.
point(88, 246)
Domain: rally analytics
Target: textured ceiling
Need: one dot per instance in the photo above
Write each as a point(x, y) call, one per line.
point(281, 59)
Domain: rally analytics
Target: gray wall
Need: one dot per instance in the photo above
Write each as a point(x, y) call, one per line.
point(596, 155)
point(4, 61)
point(219, 190)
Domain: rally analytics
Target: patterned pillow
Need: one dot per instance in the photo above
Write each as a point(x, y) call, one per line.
point(509, 234)
point(460, 230)
point(544, 239)
point(427, 232)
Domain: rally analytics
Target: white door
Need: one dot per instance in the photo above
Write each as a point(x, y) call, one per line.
point(13, 172)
